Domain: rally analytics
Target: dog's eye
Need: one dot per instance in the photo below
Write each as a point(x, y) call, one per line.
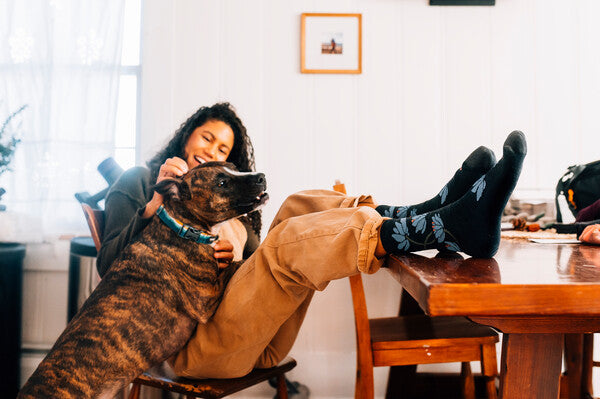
point(222, 183)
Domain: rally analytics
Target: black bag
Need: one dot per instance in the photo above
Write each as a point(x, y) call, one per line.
point(581, 187)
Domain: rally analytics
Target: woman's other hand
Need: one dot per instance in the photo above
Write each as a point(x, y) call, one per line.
point(591, 234)
point(173, 167)
point(223, 253)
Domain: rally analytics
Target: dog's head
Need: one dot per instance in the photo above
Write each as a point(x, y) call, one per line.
point(213, 192)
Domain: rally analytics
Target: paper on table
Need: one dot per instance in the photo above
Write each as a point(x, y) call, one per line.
point(554, 241)
point(506, 226)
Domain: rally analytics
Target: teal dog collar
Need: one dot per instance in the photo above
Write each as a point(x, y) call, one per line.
point(183, 230)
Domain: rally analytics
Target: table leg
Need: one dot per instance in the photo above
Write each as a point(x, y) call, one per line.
point(531, 365)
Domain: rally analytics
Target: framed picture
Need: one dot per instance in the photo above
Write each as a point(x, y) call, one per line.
point(462, 2)
point(331, 43)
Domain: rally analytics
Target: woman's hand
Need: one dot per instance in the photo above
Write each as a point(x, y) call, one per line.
point(591, 234)
point(223, 253)
point(173, 167)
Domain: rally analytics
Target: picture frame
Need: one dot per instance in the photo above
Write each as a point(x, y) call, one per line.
point(462, 2)
point(331, 43)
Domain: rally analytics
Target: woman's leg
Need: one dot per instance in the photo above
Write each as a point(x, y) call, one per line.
point(282, 342)
point(266, 300)
point(311, 201)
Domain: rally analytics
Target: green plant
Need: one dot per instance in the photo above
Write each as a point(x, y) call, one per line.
point(8, 144)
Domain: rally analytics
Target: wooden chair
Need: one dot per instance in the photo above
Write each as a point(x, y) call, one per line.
point(207, 388)
point(418, 339)
point(588, 364)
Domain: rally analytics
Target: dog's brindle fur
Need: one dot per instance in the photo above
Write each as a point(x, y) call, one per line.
point(146, 307)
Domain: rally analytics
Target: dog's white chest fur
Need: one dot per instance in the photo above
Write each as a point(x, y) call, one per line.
point(234, 231)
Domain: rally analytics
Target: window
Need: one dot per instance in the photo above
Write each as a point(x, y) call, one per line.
point(128, 105)
point(76, 65)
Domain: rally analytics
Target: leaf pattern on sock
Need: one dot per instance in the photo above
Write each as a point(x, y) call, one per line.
point(401, 231)
point(401, 212)
point(389, 213)
point(438, 227)
point(478, 187)
point(413, 212)
point(443, 194)
point(419, 223)
point(422, 237)
point(396, 212)
point(452, 246)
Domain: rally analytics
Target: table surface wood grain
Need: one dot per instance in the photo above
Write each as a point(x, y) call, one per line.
point(524, 278)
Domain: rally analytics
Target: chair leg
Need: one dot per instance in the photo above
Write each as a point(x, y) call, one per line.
point(489, 369)
point(573, 354)
point(365, 385)
point(135, 391)
point(468, 382)
point(282, 392)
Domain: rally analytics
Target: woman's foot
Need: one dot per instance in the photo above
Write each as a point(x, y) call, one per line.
point(477, 164)
point(471, 224)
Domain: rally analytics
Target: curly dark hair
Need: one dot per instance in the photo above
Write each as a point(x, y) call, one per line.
point(241, 155)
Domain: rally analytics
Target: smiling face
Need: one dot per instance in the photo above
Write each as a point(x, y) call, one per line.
point(212, 141)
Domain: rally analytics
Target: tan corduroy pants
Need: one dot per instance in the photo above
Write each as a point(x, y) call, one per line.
point(317, 236)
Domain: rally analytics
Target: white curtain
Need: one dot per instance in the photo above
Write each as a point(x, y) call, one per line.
point(62, 58)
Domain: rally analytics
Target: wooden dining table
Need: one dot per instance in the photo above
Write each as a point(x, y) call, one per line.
point(535, 294)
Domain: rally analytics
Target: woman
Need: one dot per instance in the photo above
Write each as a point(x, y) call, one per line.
point(131, 202)
point(316, 236)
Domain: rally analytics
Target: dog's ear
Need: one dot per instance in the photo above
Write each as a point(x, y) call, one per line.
point(173, 189)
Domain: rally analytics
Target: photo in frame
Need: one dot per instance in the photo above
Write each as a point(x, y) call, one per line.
point(331, 43)
point(462, 2)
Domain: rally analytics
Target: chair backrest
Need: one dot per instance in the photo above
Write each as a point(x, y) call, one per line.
point(95, 221)
point(364, 352)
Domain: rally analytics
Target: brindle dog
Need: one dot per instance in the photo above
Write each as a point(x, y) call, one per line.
point(147, 305)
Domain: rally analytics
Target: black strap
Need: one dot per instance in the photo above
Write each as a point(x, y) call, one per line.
point(560, 190)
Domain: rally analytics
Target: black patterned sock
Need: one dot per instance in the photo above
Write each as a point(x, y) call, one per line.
point(476, 165)
point(471, 224)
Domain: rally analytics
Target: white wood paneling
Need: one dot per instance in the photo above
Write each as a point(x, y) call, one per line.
point(422, 72)
point(513, 90)
point(378, 116)
point(588, 83)
point(556, 58)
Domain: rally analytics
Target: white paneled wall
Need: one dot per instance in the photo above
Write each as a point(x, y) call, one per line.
point(437, 82)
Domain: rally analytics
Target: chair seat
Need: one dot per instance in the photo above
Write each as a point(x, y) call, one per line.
point(416, 331)
point(213, 388)
point(409, 340)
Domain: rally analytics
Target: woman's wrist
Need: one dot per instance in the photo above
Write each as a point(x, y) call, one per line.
point(152, 206)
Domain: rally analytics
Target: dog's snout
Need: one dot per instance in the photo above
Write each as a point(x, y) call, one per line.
point(260, 179)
